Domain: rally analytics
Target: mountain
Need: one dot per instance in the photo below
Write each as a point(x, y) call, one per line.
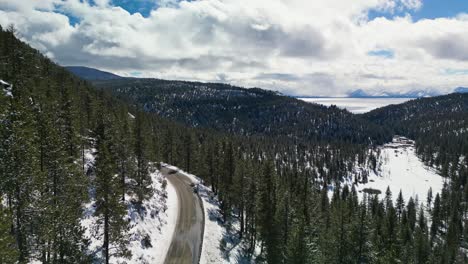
point(245, 112)
point(360, 93)
point(420, 109)
point(461, 90)
point(92, 74)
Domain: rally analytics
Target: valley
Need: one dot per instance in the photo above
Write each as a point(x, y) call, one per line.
point(102, 171)
point(400, 169)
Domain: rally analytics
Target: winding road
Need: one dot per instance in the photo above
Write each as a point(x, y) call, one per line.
point(188, 235)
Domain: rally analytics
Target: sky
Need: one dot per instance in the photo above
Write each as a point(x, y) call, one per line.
point(297, 47)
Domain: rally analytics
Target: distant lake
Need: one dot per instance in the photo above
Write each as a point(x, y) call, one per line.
point(357, 105)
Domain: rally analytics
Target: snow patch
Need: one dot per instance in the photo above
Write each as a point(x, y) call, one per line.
point(150, 232)
point(157, 225)
point(399, 168)
point(6, 88)
point(89, 159)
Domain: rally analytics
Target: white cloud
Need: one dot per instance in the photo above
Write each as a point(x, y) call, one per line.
point(28, 5)
point(296, 46)
point(412, 4)
point(168, 3)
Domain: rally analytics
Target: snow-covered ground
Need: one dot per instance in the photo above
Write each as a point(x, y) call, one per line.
point(155, 225)
point(6, 88)
point(215, 232)
point(399, 168)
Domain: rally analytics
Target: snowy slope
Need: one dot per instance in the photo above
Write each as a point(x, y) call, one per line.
point(156, 225)
point(399, 168)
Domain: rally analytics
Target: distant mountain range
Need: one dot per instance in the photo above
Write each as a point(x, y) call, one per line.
point(410, 94)
point(91, 74)
point(461, 90)
point(384, 94)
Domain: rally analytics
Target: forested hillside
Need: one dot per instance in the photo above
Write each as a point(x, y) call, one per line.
point(233, 109)
point(245, 112)
point(91, 74)
point(275, 188)
point(438, 124)
point(50, 120)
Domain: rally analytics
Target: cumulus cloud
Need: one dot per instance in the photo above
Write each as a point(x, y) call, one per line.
point(307, 47)
point(449, 46)
point(168, 3)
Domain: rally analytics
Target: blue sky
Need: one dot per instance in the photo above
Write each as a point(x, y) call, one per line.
point(441, 8)
point(143, 7)
point(298, 47)
point(388, 54)
point(430, 9)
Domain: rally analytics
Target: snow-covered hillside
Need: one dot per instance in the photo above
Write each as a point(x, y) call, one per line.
point(399, 168)
point(150, 233)
point(156, 226)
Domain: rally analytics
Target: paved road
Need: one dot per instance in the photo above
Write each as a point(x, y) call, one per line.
point(187, 239)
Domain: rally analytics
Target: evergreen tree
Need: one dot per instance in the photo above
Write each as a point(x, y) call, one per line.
point(266, 211)
point(411, 213)
point(126, 162)
point(227, 177)
point(8, 249)
point(109, 207)
point(429, 198)
point(360, 235)
point(436, 218)
point(421, 241)
point(297, 247)
point(400, 205)
point(142, 175)
point(239, 192)
point(19, 166)
point(63, 189)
